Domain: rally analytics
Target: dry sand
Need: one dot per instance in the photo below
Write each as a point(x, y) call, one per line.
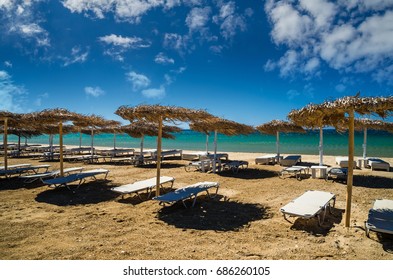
point(243, 223)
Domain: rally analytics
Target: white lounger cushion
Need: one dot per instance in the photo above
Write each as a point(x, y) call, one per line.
point(187, 192)
point(308, 205)
point(141, 185)
point(63, 181)
point(380, 217)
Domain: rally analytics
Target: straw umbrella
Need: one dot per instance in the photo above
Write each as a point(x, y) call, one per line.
point(11, 119)
point(95, 124)
point(140, 128)
point(57, 116)
point(365, 124)
point(220, 125)
point(274, 127)
point(158, 114)
point(335, 112)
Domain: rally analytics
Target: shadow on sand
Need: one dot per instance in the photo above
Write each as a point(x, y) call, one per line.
point(249, 173)
point(311, 225)
point(88, 193)
point(213, 215)
point(373, 182)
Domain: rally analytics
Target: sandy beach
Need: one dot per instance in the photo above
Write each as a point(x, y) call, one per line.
point(242, 223)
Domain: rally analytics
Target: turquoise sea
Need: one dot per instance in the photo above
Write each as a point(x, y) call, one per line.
point(378, 143)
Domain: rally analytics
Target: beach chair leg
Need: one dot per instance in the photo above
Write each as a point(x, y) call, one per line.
point(285, 218)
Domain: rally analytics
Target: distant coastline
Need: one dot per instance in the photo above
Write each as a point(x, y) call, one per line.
point(379, 143)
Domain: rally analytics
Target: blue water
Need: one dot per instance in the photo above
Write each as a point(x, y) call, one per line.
point(378, 143)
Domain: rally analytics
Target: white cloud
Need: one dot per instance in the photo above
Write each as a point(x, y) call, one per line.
point(6, 4)
point(154, 92)
point(139, 81)
point(8, 64)
point(77, 56)
point(198, 18)
point(176, 42)
point(22, 19)
point(94, 91)
point(230, 22)
point(124, 10)
point(12, 96)
point(161, 58)
point(322, 11)
point(288, 63)
point(124, 42)
point(289, 26)
point(350, 36)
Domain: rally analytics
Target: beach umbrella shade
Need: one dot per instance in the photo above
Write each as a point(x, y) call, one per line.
point(365, 124)
point(223, 126)
point(91, 124)
point(341, 111)
point(56, 116)
point(12, 119)
point(138, 129)
point(274, 127)
point(159, 114)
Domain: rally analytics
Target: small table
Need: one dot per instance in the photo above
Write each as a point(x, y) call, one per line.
point(322, 171)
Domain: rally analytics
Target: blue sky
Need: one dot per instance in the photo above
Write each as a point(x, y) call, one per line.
point(249, 61)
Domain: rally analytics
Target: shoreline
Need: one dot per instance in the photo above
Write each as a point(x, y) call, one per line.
point(328, 160)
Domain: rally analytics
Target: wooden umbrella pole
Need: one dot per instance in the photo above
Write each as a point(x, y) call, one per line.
point(351, 144)
point(159, 156)
point(5, 143)
point(61, 149)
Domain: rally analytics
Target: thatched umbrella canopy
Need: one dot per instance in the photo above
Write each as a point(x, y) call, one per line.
point(365, 124)
point(57, 116)
point(336, 111)
point(12, 119)
point(317, 119)
point(138, 129)
point(220, 125)
point(158, 114)
point(91, 124)
point(274, 127)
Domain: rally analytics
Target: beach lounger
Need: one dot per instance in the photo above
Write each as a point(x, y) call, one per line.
point(129, 160)
point(166, 153)
point(145, 185)
point(29, 178)
point(291, 160)
point(380, 217)
point(188, 192)
point(267, 159)
point(294, 170)
point(235, 165)
point(194, 155)
point(343, 162)
point(310, 204)
point(78, 177)
point(21, 170)
point(15, 166)
point(201, 165)
point(377, 163)
point(219, 156)
point(337, 174)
